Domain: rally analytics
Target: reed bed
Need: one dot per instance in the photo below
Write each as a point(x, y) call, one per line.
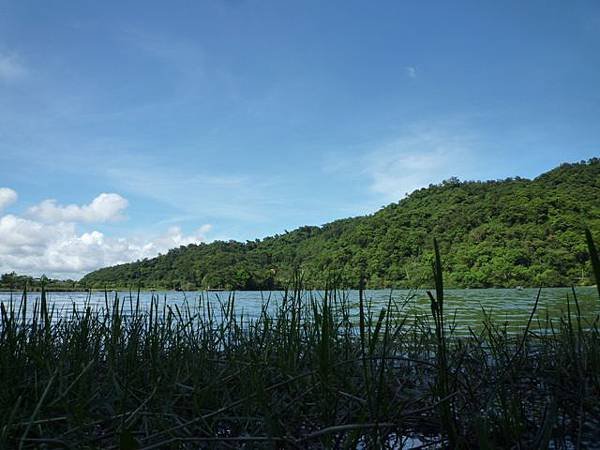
point(303, 374)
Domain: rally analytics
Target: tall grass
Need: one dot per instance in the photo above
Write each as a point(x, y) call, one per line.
point(305, 373)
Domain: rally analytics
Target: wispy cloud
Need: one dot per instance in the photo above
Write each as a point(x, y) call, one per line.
point(11, 68)
point(198, 194)
point(416, 159)
point(185, 58)
point(411, 71)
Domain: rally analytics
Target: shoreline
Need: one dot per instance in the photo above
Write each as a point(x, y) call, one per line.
point(154, 290)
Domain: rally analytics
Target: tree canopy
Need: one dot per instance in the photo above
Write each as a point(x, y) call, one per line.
point(13, 281)
point(500, 233)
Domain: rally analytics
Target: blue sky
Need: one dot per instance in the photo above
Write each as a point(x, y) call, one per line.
point(240, 119)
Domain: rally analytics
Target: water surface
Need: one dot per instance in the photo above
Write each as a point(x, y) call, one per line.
point(465, 307)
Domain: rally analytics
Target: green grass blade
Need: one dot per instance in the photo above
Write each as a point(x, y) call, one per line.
point(594, 258)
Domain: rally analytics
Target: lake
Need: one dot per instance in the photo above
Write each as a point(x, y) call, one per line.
point(463, 306)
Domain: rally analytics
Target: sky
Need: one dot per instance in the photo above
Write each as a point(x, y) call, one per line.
point(128, 128)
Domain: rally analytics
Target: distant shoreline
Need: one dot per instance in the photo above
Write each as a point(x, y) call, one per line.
point(147, 290)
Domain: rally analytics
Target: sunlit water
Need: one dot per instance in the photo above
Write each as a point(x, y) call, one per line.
point(463, 307)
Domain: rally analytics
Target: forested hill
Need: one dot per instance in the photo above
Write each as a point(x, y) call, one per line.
point(514, 232)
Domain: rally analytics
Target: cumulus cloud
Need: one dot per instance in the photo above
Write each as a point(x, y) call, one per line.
point(10, 68)
point(7, 197)
point(55, 246)
point(104, 208)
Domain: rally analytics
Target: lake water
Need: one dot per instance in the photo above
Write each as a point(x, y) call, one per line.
point(509, 306)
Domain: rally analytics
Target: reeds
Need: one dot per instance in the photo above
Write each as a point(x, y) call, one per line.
point(305, 373)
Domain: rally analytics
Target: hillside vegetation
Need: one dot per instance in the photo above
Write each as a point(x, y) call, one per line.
point(502, 233)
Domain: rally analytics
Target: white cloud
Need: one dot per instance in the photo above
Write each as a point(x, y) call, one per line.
point(416, 159)
point(56, 247)
point(7, 197)
point(104, 208)
point(411, 71)
point(27, 237)
point(27, 246)
point(10, 68)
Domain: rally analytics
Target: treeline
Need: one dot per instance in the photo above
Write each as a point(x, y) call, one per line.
point(501, 233)
point(14, 282)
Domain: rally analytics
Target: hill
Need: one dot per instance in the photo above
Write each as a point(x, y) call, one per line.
point(501, 233)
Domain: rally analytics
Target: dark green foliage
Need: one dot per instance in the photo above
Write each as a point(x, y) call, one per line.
point(594, 258)
point(12, 281)
point(513, 232)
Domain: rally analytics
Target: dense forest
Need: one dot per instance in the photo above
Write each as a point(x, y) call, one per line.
point(502, 233)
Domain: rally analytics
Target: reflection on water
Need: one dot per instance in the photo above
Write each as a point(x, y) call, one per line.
point(464, 307)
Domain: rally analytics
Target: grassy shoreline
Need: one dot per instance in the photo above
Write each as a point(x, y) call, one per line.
point(307, 374)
